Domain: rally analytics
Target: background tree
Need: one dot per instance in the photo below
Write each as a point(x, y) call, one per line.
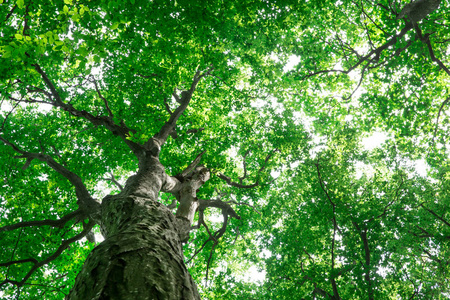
point(165, 122)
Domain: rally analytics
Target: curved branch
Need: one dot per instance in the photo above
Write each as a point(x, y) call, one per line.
point(88, 204)
point(438, 116)
point(426, 39)
point(119, 130)
point(224, 206)
point(64, 245)
point(53, 223)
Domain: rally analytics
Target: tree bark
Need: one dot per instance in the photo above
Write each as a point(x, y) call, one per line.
point(141, 256)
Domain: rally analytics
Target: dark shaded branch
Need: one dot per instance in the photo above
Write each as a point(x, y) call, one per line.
point(368, 57)
point(88, 204)
point(10, 13)
point(197, 251)
point(246, 204)
point(186, 96)
point(209, 261)
point(7, 115)
point(224, 206)
point(235, 184)
point(103, 98)
point(426, 39)
point(53, 223)
point(13, 262)
point(431, 256)
point(119, 130)
point(335, 228)
point(363, 235)
point(64, 245)
point(244, 164)
point(438, 116)
point(385, 210)
point(436, 215)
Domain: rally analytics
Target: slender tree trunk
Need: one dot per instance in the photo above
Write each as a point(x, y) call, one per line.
point(141, 257)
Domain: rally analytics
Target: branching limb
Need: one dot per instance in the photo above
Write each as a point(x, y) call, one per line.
point(113, 180)
point(247, 186)
point(101, 97)
point(53, 223)
point(227, 211)
point(10, 13)
point(37, 264)
point(209, 262)
point(335, 228)
point(119, 130)
point(426, 39)
point(160, 138)
point(246, 204)
point(6, 117)
point(224, 206)
point(386, 207)
point(87, 203)
point(363, 235)
point(372, 56)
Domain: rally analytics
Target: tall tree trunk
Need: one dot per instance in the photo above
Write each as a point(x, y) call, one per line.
point(141, 257)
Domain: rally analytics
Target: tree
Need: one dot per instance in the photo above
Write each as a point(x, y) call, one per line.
point(69, 126)
point(143, 120)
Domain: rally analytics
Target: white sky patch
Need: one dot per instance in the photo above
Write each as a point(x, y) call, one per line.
point(292, 62)
point(421, 167)
point(320, 144)
point(254, 274)
point(275, 173)
point(361, 168)
point(375, 140)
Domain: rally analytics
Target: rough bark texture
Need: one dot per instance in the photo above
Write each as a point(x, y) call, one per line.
point(141, 257)
point(419, 9)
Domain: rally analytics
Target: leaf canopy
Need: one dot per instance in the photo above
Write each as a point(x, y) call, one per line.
point(294, 92)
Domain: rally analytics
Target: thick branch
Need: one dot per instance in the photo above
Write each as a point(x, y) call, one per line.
point(186, 96)
point(192, 165)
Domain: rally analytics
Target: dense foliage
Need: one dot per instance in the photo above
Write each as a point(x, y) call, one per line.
point(313, 117)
